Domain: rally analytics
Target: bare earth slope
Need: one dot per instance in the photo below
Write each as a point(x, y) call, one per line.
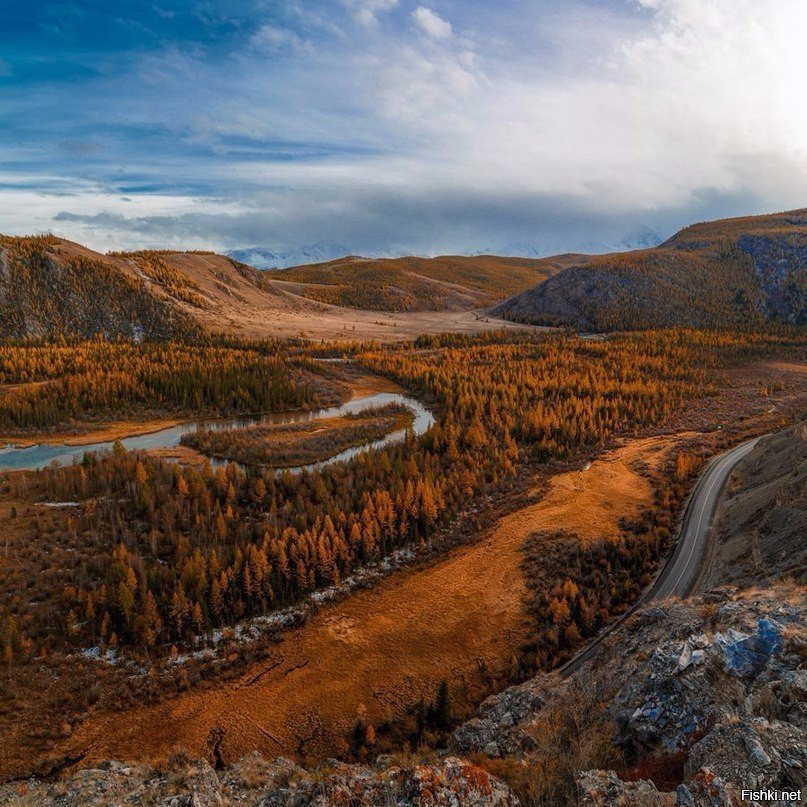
point(735, 272)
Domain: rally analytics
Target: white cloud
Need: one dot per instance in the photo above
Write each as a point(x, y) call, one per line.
point(431, 24)
point(705, 99)
point(683, 102)
point(274, 38)
point(367, 11)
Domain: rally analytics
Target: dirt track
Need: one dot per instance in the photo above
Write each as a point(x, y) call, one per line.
point(385, 647)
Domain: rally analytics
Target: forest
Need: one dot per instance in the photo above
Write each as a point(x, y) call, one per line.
point(50, 386)
point(179, 552)
point(290, 445)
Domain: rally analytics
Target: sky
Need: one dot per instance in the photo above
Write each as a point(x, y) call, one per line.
point(422, 126)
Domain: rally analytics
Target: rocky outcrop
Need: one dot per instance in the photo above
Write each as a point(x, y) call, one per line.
point(606, 789)
point(727, 273)
point(254, 781)
point(780, 262)
point(687, 686)
point(497, 731)
point(710, 692)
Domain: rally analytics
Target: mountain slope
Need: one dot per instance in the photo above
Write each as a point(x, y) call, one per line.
point(448, 283)
point(50, 287)
point(734, 272)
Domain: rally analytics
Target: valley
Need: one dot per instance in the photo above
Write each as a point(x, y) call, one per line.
point(227, 532)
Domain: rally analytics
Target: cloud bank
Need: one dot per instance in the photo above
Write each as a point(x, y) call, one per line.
point(390, 125)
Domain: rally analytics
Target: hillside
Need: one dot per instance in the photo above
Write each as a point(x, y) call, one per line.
point(53, 287)
point(735, 272)
point(449, 283)
point(763, 521)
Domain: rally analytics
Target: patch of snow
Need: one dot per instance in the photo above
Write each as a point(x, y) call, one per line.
point(110, 656)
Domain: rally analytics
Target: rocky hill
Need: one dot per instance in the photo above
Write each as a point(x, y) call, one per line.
point(50, 287)
point(736, 272)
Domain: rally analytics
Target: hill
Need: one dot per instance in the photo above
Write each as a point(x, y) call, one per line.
point(50, 287)
point(730, 273)
point(448, 283)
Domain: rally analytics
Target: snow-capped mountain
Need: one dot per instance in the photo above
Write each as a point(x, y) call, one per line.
point(640, 238)
point(268, 258)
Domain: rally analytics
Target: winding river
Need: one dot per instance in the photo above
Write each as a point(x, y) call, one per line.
point(38, 456)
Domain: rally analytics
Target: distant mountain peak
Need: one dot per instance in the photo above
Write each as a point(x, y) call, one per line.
point(269, 258)
point(641, 237)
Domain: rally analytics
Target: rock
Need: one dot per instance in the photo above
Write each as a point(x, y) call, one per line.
point(514, 705)
point(253, 775)
point(474, 735)
point(746, 656)
point(798, 715)
point(752, 754)
point(708, 790)
point(606, 789)
point(683, 798)
point(451, 782)
point(756, 752)
point(685, 657)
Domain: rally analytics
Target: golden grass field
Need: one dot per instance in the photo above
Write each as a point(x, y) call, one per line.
point(385, 647)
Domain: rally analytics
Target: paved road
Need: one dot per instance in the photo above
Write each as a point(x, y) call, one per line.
point(686, 565)
point(682, 571)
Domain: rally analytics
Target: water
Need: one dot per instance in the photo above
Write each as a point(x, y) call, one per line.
point(38, 456)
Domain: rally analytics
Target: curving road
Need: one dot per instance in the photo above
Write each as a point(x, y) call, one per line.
point(681, 573)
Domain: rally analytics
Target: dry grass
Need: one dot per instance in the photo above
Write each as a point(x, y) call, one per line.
point(451, 283)
point(387, 647)
point(573, 732)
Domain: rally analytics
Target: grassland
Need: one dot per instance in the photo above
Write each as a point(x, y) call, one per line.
point(418, 284)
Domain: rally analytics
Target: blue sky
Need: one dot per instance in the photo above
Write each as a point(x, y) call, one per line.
point(442, 126)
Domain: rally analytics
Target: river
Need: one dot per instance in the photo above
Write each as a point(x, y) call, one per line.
point(23, 458)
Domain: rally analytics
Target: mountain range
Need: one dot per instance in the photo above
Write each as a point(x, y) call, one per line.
point(324, 251)
point(743, 272)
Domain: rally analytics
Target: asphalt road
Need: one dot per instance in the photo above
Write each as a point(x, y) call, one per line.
point(682, 571)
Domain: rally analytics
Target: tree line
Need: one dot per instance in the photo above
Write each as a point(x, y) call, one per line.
point(54, 384)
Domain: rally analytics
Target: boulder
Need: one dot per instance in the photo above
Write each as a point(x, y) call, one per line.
point(606, 789)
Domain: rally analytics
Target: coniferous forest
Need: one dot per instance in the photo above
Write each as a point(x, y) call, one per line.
point(179, 551)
